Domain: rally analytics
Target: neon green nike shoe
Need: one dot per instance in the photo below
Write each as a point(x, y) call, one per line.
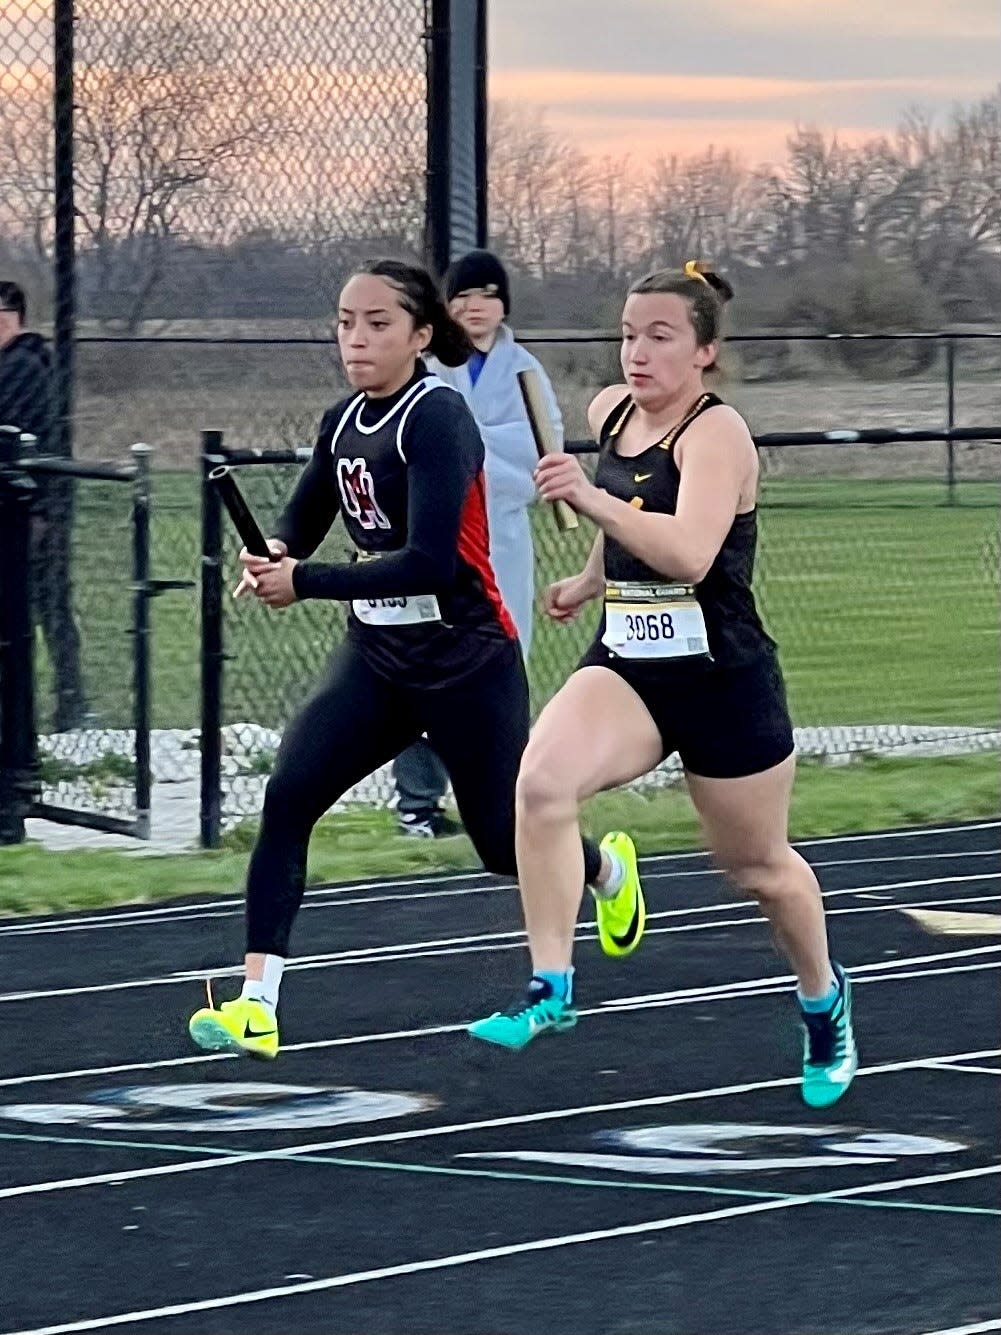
point(236, 1026)
point(622, 918)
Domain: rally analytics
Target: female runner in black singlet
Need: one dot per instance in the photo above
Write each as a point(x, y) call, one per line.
point(430, 647)
point(680, 663)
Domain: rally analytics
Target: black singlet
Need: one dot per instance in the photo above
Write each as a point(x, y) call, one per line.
point(736, 635)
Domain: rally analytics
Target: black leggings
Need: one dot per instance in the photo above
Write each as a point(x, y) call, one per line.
point(356, 721)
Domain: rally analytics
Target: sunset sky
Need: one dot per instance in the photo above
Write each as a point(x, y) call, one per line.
point(649, 77)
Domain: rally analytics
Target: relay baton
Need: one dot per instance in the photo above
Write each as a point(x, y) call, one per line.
point(545, 438)
point(239, 511)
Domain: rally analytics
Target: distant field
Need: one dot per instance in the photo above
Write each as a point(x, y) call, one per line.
point(165, 394)
point(883, 600)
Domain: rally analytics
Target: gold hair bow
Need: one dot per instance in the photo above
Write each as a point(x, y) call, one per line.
point(692, 271)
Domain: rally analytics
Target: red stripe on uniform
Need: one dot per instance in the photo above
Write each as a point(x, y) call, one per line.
point(474, 549)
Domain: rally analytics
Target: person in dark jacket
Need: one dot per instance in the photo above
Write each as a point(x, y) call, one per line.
point(25, 402)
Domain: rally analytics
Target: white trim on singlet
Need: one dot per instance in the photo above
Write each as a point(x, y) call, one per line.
point(358, 398)
point(409, 400)
point(426, 386)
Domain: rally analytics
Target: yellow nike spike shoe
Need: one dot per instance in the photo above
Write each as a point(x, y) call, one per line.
point(236, 1026)
point(621, 918)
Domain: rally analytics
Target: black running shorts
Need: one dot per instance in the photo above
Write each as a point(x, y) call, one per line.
point(724, 722)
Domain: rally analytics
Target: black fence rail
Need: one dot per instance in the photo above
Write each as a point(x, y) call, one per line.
point(272, 380)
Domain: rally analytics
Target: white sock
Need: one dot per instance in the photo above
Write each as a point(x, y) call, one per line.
point(616, 876)
point(265, 990)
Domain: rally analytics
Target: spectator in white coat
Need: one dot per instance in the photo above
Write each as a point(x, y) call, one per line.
point(478, 294)
point(479, 299)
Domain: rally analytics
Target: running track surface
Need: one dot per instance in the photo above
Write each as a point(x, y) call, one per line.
point(652, 1172)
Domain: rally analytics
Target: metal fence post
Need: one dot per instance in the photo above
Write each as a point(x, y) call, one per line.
point(438, 177)
point(950, 420)
point(64, 314)
point(210, 814)
point(141, 634)
point(18, 743)
point(456, 204)
point(481, 128)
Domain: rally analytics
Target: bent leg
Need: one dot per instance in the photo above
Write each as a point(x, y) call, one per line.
point(480, 729)
point(594, 734)
point(353, 723)
point(745, 824)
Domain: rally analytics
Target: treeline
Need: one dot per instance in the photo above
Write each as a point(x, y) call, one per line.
point(899, 232)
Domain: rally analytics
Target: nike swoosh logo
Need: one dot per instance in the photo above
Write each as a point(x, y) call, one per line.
point(257, 1033)
point(641, 477)
point(629, 935)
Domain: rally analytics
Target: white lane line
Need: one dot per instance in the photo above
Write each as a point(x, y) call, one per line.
point(971, 1070)
point(884, 976)
point(916, 833)
point(978, 1328)
point(154, 918)
point(887, 971)
point(228, 908)
point(787, 979)
point(458, 1128)
point(493, 941)
point(652, 1101)
point(511, 1249)
point(125, 917)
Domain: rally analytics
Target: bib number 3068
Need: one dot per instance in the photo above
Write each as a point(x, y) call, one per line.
point(654, 622)
point(650, 626)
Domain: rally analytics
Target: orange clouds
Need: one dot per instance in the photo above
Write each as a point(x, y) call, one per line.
point(652, 115)
point(556, 87)
point(644, 139)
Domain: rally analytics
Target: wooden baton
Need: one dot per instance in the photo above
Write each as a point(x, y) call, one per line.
point(545, 437)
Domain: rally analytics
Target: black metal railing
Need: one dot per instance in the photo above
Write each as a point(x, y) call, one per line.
point(75, 737)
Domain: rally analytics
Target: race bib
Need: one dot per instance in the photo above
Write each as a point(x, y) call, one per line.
point(654, 621)
point(397, 611)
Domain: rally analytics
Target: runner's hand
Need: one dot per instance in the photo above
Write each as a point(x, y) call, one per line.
point(274, 583)
point(559, 477)
point(255, 565)
point(563, 600)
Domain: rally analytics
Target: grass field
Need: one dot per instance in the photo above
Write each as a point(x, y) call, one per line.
point(883, 600)
point(870, 794)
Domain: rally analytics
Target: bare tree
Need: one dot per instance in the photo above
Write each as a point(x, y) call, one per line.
point(616, 208)
point(696, 208)
point(543, 195)
point(958, 211)
point(164, 124)
point(26, 198)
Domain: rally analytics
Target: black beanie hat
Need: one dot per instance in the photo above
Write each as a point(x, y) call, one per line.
point(478, 269)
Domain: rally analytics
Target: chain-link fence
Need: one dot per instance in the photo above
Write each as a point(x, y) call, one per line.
point(84, 692)
point(173, 169)
point(226, 164)
point(792, 382)
point(884, 601)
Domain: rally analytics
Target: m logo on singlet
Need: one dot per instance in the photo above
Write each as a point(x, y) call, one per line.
point(358, 494)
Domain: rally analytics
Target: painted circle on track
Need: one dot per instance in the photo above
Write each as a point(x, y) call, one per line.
point(735, 1147)
point(246, 1105)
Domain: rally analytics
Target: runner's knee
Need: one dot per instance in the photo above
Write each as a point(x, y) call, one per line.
point(543, 786)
